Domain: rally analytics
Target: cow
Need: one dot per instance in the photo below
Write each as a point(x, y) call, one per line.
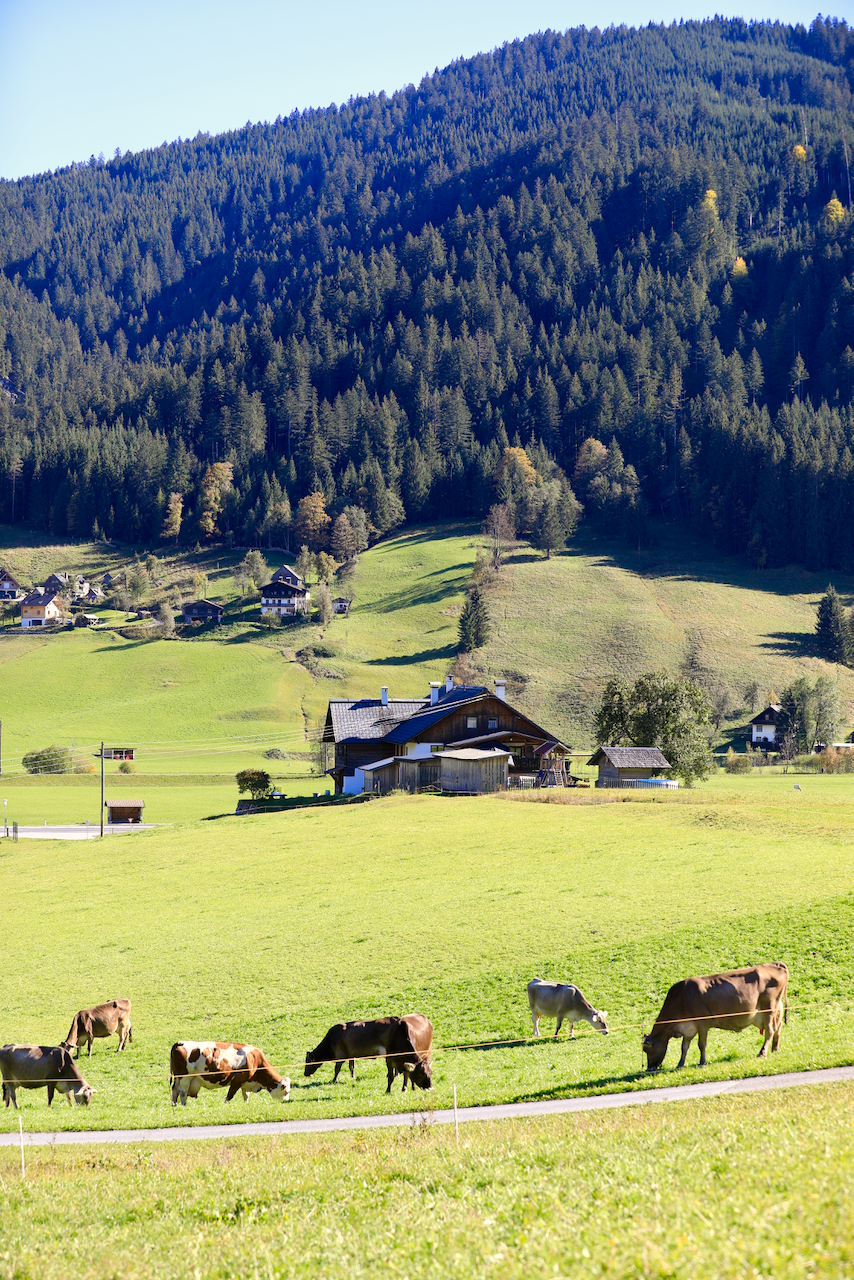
point(405, 1043)
point(728, 1001)
point(38, 1066)
point(564, 1002)
point(220, 1064)
point(98, 1024)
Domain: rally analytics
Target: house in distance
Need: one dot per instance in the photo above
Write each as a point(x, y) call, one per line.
point(10, 588)
point(202, 611)
point(400, 740)
point(285, 598)
point(763, 728)
point(41, 608)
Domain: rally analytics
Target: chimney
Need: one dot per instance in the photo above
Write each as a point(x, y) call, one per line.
point(449, 684)
point(435, 686)
point(501, 689)
point(384, 695)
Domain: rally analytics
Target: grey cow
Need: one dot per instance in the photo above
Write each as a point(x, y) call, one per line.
point(566, 1003)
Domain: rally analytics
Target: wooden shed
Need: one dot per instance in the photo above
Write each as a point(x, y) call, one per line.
point(119, 753)
point(124, 810)
point(631, 767)
point(469, 771)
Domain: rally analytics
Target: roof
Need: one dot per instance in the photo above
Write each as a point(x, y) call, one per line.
point(429, 714)
point(39, 595)
point(631, 757)
point(380, 764)
point(287, 574)
point(6, 576)
point(772, 706)
point(366, 719)
point(124, 804)
point(202, 604)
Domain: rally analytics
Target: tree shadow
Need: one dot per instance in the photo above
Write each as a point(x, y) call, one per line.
point(447, 651)
point(792, 644)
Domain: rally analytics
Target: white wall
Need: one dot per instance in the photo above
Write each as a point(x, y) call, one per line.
point(354, 786)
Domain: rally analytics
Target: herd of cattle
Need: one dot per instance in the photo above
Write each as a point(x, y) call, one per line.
point(755, 996)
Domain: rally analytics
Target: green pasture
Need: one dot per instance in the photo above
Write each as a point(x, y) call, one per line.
point(270, 928)
point(724, 1188)
point(562, 627)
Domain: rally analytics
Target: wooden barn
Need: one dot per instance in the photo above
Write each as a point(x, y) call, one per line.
point(631, 766)
point(473, 772)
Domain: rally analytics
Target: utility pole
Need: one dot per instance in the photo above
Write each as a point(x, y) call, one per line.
point(102, 790)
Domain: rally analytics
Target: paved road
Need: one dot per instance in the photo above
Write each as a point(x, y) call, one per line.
point(602, 1102)
point(79, 831)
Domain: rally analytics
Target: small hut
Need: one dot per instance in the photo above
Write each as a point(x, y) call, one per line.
point(470, 771)
point(119, 811)
point(630, 767)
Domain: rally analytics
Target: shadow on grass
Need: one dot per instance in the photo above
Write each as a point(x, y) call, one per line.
point(448, 651)
point(793, 644)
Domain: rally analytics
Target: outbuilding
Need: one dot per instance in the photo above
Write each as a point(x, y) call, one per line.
point(631, 767)
point(119, 811)
point(202, 611)
point(470, 771)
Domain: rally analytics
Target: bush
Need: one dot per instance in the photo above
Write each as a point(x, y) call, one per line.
point(736, 763)
point(127, 766)
point(51, 759)
point(255, 781)
point(275, 753)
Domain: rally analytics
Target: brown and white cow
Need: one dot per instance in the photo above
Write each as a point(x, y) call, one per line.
point(221, 1064)
point(39, 1066)
point(100, 1023)
point(405, 1043)
point(727, 1001)
point(565, 1002)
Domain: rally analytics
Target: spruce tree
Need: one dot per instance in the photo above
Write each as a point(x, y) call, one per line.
point(831, 629)
point(474, 622)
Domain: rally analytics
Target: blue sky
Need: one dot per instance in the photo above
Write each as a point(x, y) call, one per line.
point(81, 77)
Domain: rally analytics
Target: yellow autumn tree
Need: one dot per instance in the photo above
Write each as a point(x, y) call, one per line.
point(739, 268)
point(799, 153)
point(216, 483)
point(312, 523)
point(834, 211)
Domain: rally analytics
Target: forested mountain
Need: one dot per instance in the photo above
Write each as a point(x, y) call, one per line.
point(636, 237)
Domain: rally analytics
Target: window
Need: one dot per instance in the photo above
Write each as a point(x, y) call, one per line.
point(471, 722)
point(492, 724)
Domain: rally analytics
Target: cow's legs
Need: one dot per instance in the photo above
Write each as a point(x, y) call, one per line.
point(391, 1073)
point(90, 1047)
point(51, 1086)
point(778, 1027)
point(763, 1052)
point(702, 1036)
point(559, 1025)
point(352, 1068)
point(535, 1018)
point(338, 1066)
point(9, 1092)
point(686, 1041)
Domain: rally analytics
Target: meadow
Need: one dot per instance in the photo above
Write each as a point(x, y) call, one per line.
point(724, 1188)
point(270, 928)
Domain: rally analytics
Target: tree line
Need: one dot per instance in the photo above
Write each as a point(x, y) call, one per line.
point(626, 254)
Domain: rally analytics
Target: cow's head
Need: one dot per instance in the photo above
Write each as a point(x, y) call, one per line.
point(312, 1062)
point(281, 1092)
point(83, 1094)
point(655, 1048)
point(599, 1021)
point(422, 1075)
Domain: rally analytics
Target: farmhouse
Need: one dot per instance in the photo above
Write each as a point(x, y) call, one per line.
point(202, 611)
point(41, 608)
point(341, 605)
point(373, 733)
point(764, 726)
point(630, 767)
point(124, 810)
point(284, 598)
point(10, 588)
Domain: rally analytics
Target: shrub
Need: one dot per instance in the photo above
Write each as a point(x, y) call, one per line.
point(127, 766)
point(51, 759)
point(255, 781)
point(275, 753)
point(736, 763)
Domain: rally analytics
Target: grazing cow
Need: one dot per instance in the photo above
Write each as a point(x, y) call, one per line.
point(729, 1001)
point(98, 1024)
point(564, 1002)
point(223, 1064)
point(38, 1066)
point(405, 1043)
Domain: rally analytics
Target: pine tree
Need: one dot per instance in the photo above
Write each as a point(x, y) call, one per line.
point(474, 622)
point(832, 630)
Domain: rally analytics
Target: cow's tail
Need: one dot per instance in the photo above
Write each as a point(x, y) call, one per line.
point(786, 1009)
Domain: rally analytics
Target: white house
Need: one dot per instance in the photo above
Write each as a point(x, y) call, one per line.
point(285, 599)
point(764, 726)
point(10, 588)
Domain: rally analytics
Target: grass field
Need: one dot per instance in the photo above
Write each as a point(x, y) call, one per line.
point(728, 1188)
point(270, 928)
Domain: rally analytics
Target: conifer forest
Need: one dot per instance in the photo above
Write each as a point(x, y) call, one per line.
point(614, 269)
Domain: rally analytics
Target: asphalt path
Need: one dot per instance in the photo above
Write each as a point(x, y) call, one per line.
point(508, 1111)
point(79, 831)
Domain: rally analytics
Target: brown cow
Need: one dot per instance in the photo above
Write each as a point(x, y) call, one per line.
point(38, 1066)
point(405, 1043)
point(218, 1064)
point(727, 1001)
point(98, 1024)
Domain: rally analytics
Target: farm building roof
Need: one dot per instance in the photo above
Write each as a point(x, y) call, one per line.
point(124, 804)
point(367, 719)
point(472, 753)
point(39, 595)
point(6, 576)
point(631, 757)
point(764, 718)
